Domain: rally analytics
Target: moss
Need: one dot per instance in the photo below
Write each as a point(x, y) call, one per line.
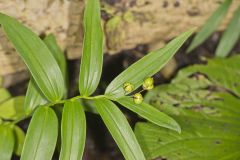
point(128, 16)
point(114, 32)
point(108, 9)
point(140, 2)
point(113, 23)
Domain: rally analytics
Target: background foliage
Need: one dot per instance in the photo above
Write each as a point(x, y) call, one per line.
point(204, 100)
point(230, 36)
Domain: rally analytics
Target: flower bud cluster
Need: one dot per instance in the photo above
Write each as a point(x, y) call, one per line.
point(148, 84)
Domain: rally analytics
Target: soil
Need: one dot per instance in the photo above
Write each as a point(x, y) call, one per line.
point(99, 142)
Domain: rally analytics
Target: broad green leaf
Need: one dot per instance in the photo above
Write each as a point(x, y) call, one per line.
point(166, 97)
point(202, 101)
point(200, 139)
point(52, 45)
point(120, 129)
point(230, 36)
point(4, 95)
point(41, 136)
point(73, 131)
point(206, 110)
point(37, 57)
point(12, 109)
point(193, 87)
point(6, 142)
point(92, 56)
point(145, 67)
point(211, 25)
point(19, 140)
point(220, 71)
point(150, 113)
point(34, 98)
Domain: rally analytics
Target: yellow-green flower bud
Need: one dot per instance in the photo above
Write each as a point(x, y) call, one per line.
point(148, 84)
point(149, 87)
point(128, 87)
point(138, 98)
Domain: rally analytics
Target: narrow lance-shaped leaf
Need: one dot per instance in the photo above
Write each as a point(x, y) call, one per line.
point(73, 131)
point(6, 142)
point(230, 36)
point(120, 129)
point(52, 45)
point(34, 98)
point(198, 140)
point(92, 56)
point(150, 113)
point(19, 140)
point(145, 67)
point(211, 25)
point(41, 136)
point(36, 56)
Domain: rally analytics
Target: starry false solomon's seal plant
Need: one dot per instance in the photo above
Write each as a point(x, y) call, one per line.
point(48, 88)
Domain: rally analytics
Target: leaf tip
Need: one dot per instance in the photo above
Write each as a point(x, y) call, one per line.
point(192, 45)
point(189, 49)
point(193, 29)
point(177, 127)
point(179, 130)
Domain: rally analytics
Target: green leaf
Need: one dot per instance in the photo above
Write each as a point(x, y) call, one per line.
point(220, 71)
point(230, 36)
point(145, 67)
point(92, 56)
point(34, 98)
point(52, 45)
point(41, 136)
point(120, 129)
point(206, 110)
point(73, 131)
point(19, 140)
point(211, 25)
point(197, 86)
point(200, 139)
point(150, 113)
point(6, 142)
point(36, 56)
point(12, 109)
point(4, 95)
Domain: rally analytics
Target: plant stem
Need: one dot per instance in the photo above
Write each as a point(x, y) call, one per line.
point(62, 102)
point(20, 119)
